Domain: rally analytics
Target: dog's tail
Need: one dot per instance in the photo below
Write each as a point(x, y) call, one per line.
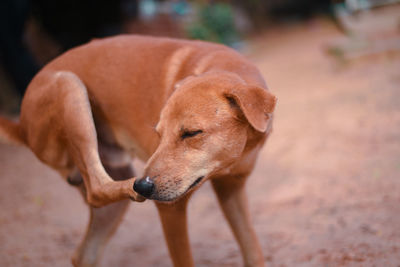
point(10, 132)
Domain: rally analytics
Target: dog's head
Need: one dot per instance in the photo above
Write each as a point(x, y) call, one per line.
point(203, 129)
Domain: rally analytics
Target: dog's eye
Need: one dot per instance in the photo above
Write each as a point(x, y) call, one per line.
point(188, 134)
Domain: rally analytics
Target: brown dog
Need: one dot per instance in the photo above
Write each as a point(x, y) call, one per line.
point(193, 110)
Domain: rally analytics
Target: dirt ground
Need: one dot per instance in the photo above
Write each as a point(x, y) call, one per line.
point(325, 191)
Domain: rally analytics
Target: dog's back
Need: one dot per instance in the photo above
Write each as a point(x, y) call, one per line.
point(135, 75)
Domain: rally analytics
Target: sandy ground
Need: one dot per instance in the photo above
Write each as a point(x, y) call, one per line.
point(325, 191)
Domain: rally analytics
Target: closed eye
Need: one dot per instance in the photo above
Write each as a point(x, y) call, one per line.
point(188, 134)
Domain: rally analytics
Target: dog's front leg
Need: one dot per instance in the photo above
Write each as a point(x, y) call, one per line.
point(174, 222)
point(233, 201)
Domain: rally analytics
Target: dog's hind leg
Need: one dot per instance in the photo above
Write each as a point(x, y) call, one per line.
point(233, 201)
point(102, 224)
point(58, 120)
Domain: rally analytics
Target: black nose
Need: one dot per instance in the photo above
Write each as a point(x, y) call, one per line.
point(144, 186)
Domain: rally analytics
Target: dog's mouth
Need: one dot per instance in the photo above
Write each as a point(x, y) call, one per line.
point(175, 198)
point(196, 182)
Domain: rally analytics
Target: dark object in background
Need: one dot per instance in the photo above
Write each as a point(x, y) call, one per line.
point(297, 9)
point(74, 22)
point(68, 22)
point(14, 54)
point(261, 11)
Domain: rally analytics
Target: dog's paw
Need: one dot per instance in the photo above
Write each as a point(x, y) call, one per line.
point(75, 179)
point(135, 196)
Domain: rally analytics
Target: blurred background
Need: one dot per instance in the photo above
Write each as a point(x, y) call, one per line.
point(326, 189)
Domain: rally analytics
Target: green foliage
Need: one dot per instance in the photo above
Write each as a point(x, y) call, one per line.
point(215, 22)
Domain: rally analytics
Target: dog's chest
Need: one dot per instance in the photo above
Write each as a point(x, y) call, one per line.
point(127, 141)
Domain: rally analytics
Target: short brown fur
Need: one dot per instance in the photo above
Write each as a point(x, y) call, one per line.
point(194, 111)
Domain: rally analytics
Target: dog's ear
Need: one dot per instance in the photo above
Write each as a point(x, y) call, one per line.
point(256, 103)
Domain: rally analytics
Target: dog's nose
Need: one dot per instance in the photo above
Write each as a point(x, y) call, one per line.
point(144, 186)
